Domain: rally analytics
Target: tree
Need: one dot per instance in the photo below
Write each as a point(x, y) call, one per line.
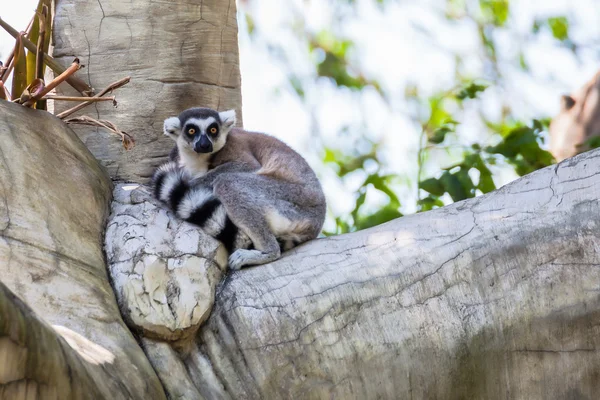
point(178, 54)
point(487, 298)
point(490, 297)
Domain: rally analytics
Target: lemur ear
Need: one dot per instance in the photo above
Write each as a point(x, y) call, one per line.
point(567, 102)
point(228, 118)
point(172, 127)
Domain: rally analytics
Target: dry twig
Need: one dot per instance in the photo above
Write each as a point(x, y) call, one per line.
point(76, 98)
point(126, 139)
point(108, 89)
point(55, 82)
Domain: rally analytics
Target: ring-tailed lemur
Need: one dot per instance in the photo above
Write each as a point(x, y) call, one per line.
point(243, 188)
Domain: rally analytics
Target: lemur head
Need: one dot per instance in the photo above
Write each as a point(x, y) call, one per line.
point(202, 130)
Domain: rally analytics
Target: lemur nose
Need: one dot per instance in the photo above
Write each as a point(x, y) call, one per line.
point(203, 145)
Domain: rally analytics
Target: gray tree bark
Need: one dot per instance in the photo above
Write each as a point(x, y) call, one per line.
point(63, 337)
point(178, 54)
point(493, 297)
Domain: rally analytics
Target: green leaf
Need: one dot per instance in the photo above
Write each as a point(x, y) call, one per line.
point(523, 62)
point(453, 186)
point(521, 149)
point(466, 182)
point(559, 27)
point(471, 91)
point(330, 156)
point(360, 200)
point(439, 116)
point(592, 143)
point(386, 214)
point(380, 182)
point(439, 134)
point(495, 11)
point(19, 82)
point(428, 203)
point(433, 186)
point(250, 23)
point(486, 183)
point(297, 85)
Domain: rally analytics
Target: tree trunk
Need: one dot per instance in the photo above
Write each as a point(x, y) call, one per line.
point(68, 341)
point(493, 297)
point(178, 54)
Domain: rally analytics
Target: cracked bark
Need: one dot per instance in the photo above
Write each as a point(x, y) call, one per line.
point(142, 39)
point(63, 336)
point(494, 297)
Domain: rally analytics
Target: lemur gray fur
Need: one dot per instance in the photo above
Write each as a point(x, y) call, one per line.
point(246, 189)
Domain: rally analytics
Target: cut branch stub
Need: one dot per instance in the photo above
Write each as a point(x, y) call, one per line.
point(164, 271)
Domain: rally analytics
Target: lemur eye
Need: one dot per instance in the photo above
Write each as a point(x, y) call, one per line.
point(191, 131)
point(213, 130)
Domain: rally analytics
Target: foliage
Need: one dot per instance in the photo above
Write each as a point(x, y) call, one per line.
point(450, 167)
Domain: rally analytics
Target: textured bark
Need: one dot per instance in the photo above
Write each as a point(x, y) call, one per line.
point(178, 54)
point(577, 121)
point(69, 342)
point(164, 271)
point(490, 298)
point(494, 297)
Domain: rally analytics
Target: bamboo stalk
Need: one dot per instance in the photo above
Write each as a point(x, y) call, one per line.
point(109, 88)
point(77, 83)
point(55, 82)
point(39, 57)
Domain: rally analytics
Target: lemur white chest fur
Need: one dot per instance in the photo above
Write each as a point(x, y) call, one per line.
point(194, 163)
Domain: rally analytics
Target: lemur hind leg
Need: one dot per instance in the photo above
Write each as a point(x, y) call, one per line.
point(260, 206)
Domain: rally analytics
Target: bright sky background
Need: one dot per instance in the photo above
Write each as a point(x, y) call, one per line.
point(393, 49)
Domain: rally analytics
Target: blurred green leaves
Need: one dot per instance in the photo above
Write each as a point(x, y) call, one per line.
point(559, 27)
point(336, 64)
point(495, 11)
point(454, 163)
point(521, 148)
point(471, 90)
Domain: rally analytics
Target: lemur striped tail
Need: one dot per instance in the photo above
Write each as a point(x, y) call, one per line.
point(197, 205)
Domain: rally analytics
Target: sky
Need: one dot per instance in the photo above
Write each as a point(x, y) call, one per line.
point(407, 44)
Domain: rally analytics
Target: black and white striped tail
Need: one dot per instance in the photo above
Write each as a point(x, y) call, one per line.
point(197, 205)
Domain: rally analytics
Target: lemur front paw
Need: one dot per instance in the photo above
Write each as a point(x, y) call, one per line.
point(242, 257)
